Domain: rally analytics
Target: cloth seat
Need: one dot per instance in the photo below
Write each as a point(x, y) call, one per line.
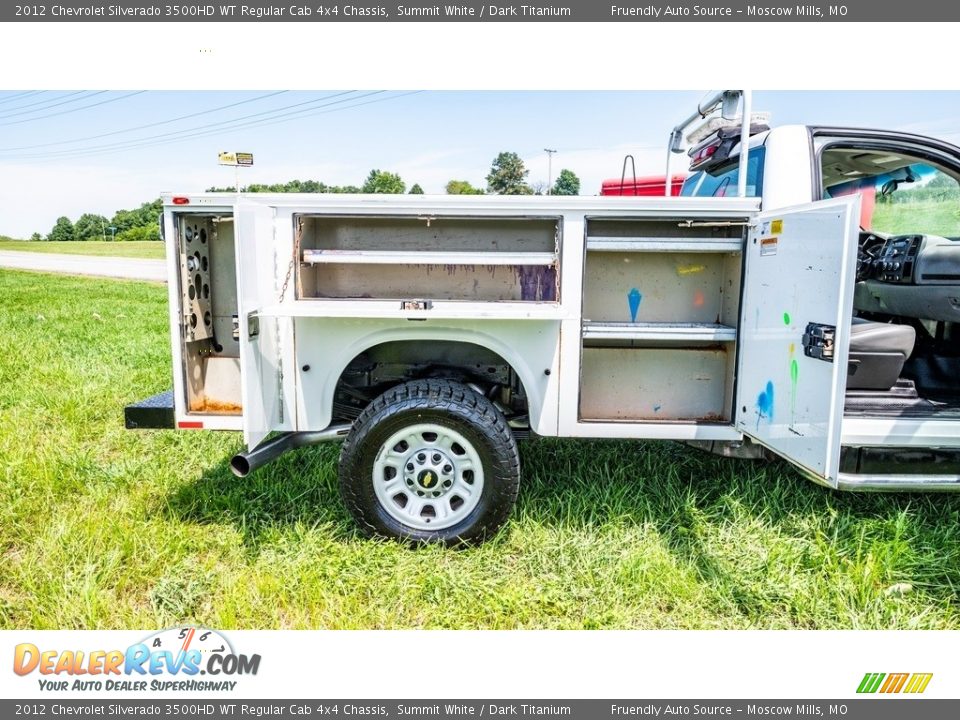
point(877, 353)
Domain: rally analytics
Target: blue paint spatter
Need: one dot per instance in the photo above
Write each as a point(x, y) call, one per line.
point(633, 299)
point(765, 404)
point(656, 408)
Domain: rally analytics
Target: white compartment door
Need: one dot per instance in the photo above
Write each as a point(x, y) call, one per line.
point(795, 332)
point(259, 351)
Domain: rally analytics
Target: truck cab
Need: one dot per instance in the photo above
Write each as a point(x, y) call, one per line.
point(901, 395)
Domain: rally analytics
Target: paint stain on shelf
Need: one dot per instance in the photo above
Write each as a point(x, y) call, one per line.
point(634, 297)
point(786, 318)
point(690, 269)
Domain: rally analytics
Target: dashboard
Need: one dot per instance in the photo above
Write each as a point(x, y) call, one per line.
point(913, 275)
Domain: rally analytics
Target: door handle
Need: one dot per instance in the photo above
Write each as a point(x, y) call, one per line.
point(818, 341)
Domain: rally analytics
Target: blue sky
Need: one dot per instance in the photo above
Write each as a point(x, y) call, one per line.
point(52, 163)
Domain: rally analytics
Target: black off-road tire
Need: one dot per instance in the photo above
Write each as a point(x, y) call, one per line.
point(450, 405)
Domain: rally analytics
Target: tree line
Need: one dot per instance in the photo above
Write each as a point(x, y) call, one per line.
point(138, 224)
point(507, 176)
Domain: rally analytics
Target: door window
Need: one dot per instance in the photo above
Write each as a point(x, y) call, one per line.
point(899, 194)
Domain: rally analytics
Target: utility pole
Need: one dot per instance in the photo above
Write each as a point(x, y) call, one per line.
point(549, 153)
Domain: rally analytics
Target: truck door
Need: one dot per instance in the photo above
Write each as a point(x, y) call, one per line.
point(795, 332)
point(259, 352)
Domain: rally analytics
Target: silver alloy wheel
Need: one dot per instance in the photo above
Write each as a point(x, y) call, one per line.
point(428, 476)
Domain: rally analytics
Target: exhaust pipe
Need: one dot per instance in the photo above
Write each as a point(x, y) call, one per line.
point(242, 464)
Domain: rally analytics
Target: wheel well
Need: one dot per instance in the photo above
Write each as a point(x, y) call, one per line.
point(378, 368)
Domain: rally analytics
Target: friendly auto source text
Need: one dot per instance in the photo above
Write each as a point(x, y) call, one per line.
point(667, 11)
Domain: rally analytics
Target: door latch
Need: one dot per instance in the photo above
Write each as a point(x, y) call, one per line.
point(416, 305)
point(253, 325)
point(818, 341)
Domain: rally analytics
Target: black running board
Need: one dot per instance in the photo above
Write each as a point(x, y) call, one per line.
point(153, 413)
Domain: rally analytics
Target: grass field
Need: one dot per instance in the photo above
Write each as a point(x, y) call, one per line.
point(106, 528)
point(929, 216)
point(133, 249)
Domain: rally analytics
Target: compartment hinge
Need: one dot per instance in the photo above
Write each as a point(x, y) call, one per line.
point(818, 341)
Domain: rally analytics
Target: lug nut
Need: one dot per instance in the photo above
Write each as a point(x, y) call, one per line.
point(421, 458)
point(447, 469)
point(410, 466)
point(436, 459)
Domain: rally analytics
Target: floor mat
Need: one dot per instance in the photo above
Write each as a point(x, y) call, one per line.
point(901, 400)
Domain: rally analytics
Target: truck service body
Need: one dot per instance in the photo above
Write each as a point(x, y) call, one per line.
point(430, 333)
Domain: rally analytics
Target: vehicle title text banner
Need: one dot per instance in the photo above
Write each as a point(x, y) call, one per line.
point(317, 11)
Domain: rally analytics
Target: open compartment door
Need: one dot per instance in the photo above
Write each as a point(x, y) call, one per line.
point(795, 332)
point(259, 348)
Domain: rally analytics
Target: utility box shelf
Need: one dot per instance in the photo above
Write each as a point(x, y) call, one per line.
point(659, 332)
point(664, 244)
point(657, 384)
point(661, 306)
point(399, 257)
point(471, 259)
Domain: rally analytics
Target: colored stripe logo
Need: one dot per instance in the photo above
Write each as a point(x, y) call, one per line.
point(913, 683)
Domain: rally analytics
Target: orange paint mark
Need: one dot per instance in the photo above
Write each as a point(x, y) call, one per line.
point(698, 298)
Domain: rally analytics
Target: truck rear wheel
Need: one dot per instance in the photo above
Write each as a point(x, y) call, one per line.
point(430, 461)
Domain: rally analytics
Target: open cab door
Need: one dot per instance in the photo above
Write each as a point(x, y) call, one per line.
point(794, 334)
point(259, 349)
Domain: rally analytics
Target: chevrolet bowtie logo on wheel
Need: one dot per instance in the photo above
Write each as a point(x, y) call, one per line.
point(894, 683)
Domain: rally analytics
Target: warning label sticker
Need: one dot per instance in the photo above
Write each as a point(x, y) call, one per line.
point(768, 246)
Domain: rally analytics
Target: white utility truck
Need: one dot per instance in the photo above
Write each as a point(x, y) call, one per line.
point(801, 297)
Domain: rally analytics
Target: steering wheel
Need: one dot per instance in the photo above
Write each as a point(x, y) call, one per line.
point(871, 244)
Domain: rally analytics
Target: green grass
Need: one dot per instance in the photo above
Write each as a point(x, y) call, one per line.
point(934, 217)
point(106, 528)
point(132, 249)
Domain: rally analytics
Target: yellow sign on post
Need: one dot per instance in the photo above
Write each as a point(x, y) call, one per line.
point(237, 159)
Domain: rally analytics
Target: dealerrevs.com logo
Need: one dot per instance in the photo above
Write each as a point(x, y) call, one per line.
point(178, 659)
